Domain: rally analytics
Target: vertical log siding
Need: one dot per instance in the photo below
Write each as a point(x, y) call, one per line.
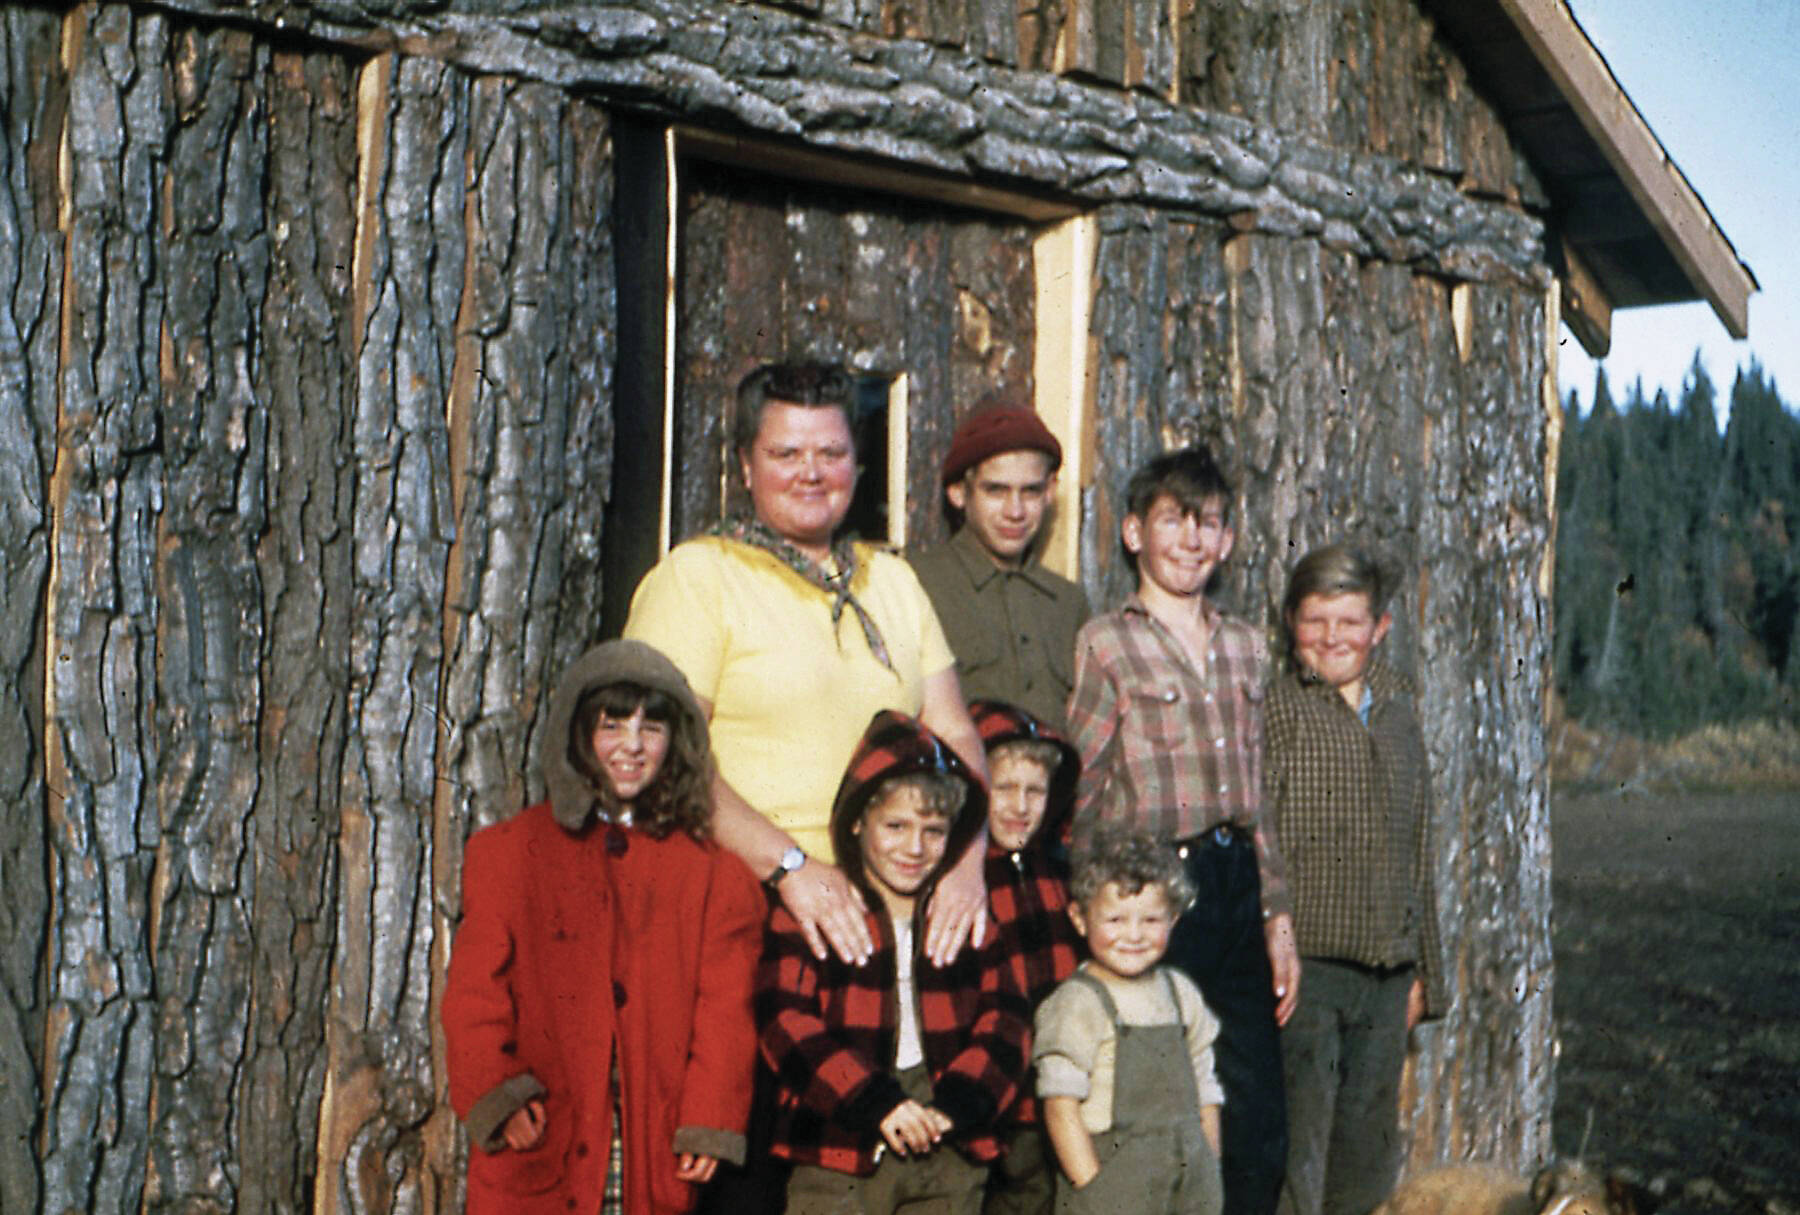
point(303, 464)
point(306, 451)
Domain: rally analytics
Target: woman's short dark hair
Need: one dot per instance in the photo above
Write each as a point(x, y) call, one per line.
point(680, 796)
point(820, 384)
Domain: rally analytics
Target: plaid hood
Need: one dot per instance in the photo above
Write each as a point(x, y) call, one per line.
point(572, 798)
point(898, 745)
point(998, 722)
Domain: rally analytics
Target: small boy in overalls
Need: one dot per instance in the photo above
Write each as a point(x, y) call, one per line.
point(1124, 1047)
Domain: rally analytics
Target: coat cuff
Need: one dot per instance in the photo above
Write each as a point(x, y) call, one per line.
point(710, 1141)
point(874, 1101)
point(969, 1105)
point(490, 1112)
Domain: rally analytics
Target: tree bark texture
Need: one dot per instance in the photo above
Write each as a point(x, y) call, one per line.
point(773, 269)
point(928, 102)
point(305, 460)
point(306, 453)
point(31, 264)
point(1344, 407)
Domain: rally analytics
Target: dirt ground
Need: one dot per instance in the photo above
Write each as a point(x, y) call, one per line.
point(1677, 938)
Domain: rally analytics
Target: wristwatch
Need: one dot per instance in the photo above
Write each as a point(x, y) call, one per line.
point(791, 860)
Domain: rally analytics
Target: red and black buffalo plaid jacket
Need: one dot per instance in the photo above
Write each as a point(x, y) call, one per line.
point(829, 1030)
point(1028, 890)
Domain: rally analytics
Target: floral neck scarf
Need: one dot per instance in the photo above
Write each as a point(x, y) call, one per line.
point(757, 534)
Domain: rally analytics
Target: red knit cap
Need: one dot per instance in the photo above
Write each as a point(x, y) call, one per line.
point(995, 428)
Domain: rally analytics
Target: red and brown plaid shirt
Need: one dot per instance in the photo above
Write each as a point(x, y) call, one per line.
point(1166, 749)
point(830, 1029)
point(1028, 901)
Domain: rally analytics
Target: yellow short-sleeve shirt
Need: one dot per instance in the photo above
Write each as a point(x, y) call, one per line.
point(791, 692)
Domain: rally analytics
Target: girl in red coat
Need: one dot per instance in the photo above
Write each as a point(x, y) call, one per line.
point(598, 1005)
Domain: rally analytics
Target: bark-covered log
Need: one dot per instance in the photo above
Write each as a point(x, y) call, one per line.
point(792, 76)
point(31, 256)
point(408, 283)
point(213, 263)
point(102, 755)
point(305, 376)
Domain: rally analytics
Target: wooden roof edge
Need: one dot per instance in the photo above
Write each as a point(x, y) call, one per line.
point(1674, 208)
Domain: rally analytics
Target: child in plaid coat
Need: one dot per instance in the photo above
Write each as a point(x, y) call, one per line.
point(891, 1075)
point(1032, 775)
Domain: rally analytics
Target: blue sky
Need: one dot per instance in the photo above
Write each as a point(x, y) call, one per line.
point(1719, 83)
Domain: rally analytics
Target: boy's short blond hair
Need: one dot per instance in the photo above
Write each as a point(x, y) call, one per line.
point(940, 794)
point(1131, 860)
point(1046, 755)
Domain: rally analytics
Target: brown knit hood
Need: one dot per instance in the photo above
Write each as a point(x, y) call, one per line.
point(572, 798)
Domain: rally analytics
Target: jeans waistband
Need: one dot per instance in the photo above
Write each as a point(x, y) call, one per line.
point(1220, 835)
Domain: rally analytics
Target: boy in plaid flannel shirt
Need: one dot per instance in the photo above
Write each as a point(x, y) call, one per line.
point(891, 1075)
point(1031, 795)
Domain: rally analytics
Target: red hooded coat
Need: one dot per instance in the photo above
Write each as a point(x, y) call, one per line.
point(580, 938)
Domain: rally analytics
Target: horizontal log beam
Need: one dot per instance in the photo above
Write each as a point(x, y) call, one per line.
point(814, 84)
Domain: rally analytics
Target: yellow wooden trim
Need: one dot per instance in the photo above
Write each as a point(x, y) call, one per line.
point(899, 442)
point(671, 273)
point(1064, 255)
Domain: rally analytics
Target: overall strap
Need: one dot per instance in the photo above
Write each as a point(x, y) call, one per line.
point(1099, 989)
point(1174, 997)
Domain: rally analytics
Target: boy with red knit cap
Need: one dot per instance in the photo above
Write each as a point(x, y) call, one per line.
point(1010, 622)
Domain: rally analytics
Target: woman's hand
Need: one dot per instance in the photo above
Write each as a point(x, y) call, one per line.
point(958, 909)
point(525, 1129)
point(1415, 1004)
point(912, 1129)
point(829, 910)
point(694, 1167)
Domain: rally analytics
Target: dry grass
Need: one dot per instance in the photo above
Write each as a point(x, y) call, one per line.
point(1756, 755)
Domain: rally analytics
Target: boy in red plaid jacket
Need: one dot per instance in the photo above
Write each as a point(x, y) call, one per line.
point(1031, 793)
point(892, 1074)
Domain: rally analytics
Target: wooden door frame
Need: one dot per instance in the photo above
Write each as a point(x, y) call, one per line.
point(1064, 249)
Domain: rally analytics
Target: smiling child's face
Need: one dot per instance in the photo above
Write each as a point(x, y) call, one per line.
point(630, 751)
point(1018, 793)
point(902, 840)
point(1126, 933)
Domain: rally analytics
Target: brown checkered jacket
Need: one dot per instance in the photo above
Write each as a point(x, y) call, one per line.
point(1352, 805)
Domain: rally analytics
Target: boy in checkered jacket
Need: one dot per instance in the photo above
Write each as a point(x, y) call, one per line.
point(1031, 793)
point(892, 1074)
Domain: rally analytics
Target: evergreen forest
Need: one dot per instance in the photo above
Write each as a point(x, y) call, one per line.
point(1678, 557)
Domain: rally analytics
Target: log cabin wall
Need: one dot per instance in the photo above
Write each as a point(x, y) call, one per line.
point(306, 367)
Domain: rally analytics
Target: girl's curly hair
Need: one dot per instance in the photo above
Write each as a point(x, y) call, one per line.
point(680, 795)
point(1133, 861)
